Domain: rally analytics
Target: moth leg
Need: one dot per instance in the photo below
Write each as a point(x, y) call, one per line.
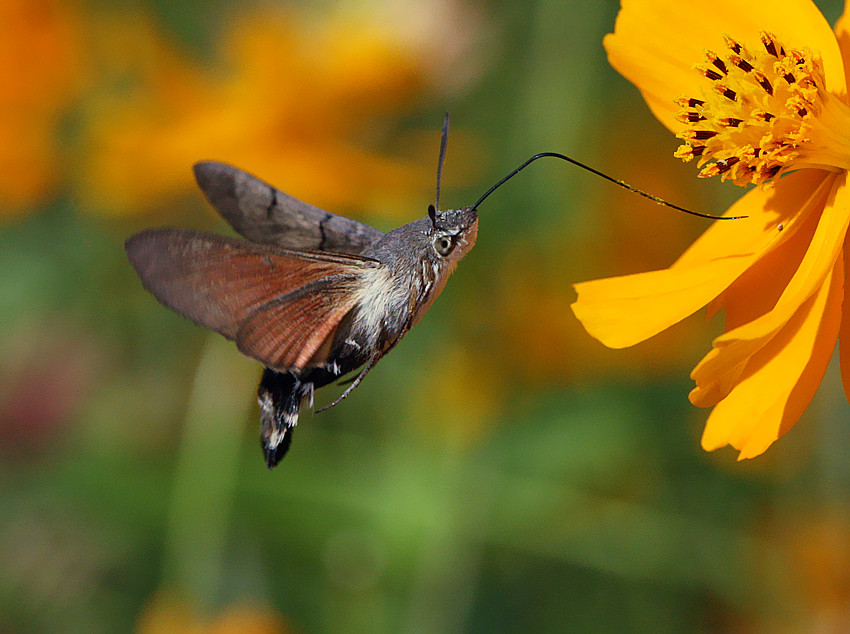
point(369, 364)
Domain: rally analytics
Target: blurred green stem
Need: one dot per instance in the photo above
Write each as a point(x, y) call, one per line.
point(205, 474)
point(444, 585)
point(556, 100)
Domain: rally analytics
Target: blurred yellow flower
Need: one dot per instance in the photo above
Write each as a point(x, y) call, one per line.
point(295, 100)
point(40, 73)
point(754, 90)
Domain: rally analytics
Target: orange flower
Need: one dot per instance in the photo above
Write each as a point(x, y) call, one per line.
point(40, 73)
point(167, 613)
point(757, 92)
point(295, 100)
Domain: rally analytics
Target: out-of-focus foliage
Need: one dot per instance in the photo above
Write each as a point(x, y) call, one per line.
point(499, 471)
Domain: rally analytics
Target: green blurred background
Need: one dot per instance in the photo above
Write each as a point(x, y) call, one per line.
point(500, 471)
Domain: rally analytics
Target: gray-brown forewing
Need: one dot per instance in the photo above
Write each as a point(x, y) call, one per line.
point(266, 215)
point(278, 304)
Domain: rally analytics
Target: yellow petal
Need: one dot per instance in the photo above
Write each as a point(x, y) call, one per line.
point(844, 333)
point(842, 34)
point(656, 42)
point(623, 311)
point(753, 294)
point(766, 208)
point(780, 380)
point(718, 372)
point(759, 288)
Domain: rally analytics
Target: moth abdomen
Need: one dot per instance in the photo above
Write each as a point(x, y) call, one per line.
point(279, 396)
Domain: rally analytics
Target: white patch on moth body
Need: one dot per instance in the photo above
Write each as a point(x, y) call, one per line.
point(277, 436)
point(265, 403)
point(378, 297)
point(386, 303)
point(289, 419)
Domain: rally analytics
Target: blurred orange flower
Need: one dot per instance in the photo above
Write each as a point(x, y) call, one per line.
point(295, 101)
point(770, 101)
point(167, 614)
point(817, 549)
point(40, 73)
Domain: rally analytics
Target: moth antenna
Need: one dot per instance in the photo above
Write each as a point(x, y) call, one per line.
point(443, 140)
point(611, 179)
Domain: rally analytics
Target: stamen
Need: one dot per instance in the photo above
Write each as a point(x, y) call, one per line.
point(711, 74)
point(731, 44)
point(684, 102)
point(741, 63)
point(704, 135)
point(690, 117)
point(769, 43)
point(765, 112)
point(716, 61)
point(764, 82)
point(730, 94)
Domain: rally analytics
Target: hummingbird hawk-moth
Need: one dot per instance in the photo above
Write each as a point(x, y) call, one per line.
point(311, 295)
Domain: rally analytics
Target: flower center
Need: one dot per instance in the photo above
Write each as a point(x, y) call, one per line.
point(767, 112)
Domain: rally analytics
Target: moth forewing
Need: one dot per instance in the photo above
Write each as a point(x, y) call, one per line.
point(238, 289)
point(286, 333)
point(266, 215)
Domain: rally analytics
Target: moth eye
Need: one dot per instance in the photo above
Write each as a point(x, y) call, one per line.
point(444, 245)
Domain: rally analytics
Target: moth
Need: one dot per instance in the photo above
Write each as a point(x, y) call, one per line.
point(311, 295)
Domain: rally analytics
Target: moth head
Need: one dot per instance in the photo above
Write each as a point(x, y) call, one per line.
point(453, 231)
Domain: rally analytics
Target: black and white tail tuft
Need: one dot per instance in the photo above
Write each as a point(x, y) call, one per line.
point(280, 395)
